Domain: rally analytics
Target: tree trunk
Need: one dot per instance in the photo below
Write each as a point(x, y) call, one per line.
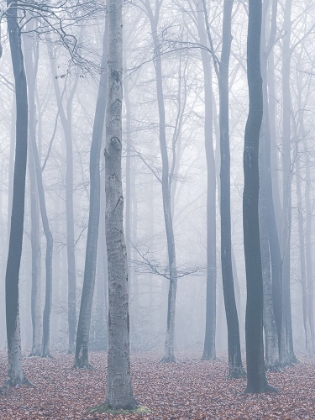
point(303, 278)
point(31, 72)
point(15, 371)
point(66, 121)
point(234, 348)
point(265, 201)
point(81, 352)
point(308, 252)
point(169, 355)
point(209, 352)
point(256, 376)
point(287, 356)
point(119, 394)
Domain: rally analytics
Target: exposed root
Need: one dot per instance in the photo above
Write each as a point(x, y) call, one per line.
point(274, 368)
point(208, 357)
point(266, 389)
point(168, 359)
point(18, 383)
point(237, 373)
point(105, 408)
point(82, 365)
point(35, 354)
point(47, 356)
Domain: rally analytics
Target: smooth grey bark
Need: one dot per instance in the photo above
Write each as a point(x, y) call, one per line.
point(270, 327)
point(119, 393)
point(287, 355)
point(256, 375)
point(31, 66)
point(234, 348)
point(15, 371)
point(209, 352)
point(169, 355)
point(82, 341)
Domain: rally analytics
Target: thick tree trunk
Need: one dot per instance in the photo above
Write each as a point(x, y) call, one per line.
point(234, 348)
point(81, 352)
point(30, 46)
point(256, 376)
point(209, 343)
point(119, 394)
point(15, 371)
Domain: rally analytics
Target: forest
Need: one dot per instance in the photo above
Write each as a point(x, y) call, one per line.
point(157, 209)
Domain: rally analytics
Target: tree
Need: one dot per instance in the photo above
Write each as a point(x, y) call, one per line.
point(15, 370)
point(169, 355)
point(66, 121)
point(266, 206)
point(209, 343)
point(235, 360)
point(82, 341)
point(256, 375)
point(119, 393)
point(287, 354)
point(31, 49)
point(222, 71)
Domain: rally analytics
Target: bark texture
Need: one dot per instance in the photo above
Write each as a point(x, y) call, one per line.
point(119, 393)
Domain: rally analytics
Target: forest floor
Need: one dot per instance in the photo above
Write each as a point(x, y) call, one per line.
point(189, 389)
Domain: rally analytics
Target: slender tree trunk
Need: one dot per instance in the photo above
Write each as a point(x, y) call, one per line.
point(48, 256)
point(66, 121)
point(72, 313)
point(303, 278)
point(308, 251)
point(270, 327)
point(31, 47)
point(256, 376)
point(169, 355)
point(209, 352)
point(81, 352)
point(234, 348)
point(119, 394)
point(274, 202)
point(288, 356)
point(15, 370)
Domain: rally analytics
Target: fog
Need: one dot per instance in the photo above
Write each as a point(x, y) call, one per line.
point(170, 72)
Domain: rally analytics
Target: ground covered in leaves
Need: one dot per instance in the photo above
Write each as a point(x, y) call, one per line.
point(189, 389)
